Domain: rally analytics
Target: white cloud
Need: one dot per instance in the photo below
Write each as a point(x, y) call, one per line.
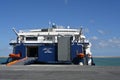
point(103, 44)
point(94, 38)
point(101, 32)
point(86, 30)
point(109, 43)
point(114, 40)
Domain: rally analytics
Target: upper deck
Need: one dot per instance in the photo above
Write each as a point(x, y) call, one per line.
point(49, 35)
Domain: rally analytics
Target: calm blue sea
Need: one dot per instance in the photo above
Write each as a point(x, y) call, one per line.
point(107, 61)
point(98, 61)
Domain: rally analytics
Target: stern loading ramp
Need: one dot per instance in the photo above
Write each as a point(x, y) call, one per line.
point(24, 61)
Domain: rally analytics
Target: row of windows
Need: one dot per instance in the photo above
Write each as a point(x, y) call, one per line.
point(31, 38)
point(36, 38)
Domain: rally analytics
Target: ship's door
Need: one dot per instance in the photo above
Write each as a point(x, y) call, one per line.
point(32, 51)
point(64, 48)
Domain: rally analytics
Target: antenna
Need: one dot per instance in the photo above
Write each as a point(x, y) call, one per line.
point(79, 35)
point(80, 32)
point(15, 31)
point(54, 25)
point(49, 24)
point(68, 27)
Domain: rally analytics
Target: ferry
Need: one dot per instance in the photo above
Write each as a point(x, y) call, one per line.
point(53, 45)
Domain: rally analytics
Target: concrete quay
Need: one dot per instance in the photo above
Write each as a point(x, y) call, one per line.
point(59, 72)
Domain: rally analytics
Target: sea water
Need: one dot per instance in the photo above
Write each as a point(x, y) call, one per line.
point(3, 59)
point(107, 61)
point(99, 61)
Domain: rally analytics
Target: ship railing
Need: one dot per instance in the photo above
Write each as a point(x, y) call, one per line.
point(40, 41)
point(13, 41)
point(26, 30)
point(21, 31)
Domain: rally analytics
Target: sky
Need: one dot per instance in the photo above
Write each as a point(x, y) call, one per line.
point(100, 20)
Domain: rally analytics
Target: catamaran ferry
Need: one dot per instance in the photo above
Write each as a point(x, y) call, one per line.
point(54, 45)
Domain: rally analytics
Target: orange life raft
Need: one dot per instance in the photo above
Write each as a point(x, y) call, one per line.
point(80, 55)
point(13, 55)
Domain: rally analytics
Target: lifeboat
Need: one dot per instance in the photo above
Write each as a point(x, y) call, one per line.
point(13, 55)
point(80, 55)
